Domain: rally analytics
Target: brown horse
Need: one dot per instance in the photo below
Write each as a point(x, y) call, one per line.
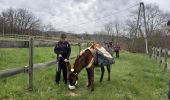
point(87, 59)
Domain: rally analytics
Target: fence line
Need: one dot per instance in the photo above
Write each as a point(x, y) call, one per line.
point(161, 55)
point(29, 69)
point(17, 37)
point(14, 71)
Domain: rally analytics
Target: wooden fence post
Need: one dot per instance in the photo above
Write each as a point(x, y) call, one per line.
point(154, 52)
point(79, 47)
point(160, 56)
point(157, 54)
point(150, 52)
point(30, 70)
point(165, 57)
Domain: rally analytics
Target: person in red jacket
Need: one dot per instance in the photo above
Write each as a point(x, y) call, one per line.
point(63, 50)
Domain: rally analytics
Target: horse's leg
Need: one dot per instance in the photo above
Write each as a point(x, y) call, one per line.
point(108, 69)
point(102, 70)
point(88, 76)
point(92, 78)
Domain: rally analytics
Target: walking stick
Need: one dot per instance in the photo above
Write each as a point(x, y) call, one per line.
point(58, 65)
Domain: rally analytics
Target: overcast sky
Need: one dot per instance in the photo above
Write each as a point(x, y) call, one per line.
point(79, 15)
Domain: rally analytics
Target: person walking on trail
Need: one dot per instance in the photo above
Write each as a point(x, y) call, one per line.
point(117, 49)
point(110, 48)
point(63, 50)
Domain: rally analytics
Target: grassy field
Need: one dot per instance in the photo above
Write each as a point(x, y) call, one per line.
point(133, 77)
point(17, 57)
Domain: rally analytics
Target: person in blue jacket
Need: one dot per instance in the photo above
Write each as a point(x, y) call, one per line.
point(63, 50)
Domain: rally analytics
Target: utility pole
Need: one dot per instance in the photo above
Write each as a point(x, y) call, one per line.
point(146, 32)
point(142, 9)
point(139, 13)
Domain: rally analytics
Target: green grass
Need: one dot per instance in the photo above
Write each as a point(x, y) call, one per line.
point(133, 77)
point(17, 57)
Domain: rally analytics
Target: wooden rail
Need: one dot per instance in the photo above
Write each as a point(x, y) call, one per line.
point(11, 72)
point(161, 55)
point(29, 69)
point(37, 38)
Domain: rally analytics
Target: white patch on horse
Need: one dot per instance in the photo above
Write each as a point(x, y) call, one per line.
point(91, 50)
point(71, 87)
point(76, 82)
point(90, 64)
point(84, 51)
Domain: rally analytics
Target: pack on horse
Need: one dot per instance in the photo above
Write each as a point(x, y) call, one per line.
point(93, 56)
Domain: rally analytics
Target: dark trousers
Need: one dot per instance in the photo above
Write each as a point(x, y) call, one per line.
point(62, 66)
point(117, 54)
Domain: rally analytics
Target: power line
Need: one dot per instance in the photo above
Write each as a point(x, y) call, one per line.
point(96, 21)
point(90, 21)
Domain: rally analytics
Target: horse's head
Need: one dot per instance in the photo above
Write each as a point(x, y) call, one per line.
point(83, 60)
point(73, 77)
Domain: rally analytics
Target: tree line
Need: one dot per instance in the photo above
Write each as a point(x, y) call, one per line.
point(21, 21)
point(156, 20)
point(134, 38)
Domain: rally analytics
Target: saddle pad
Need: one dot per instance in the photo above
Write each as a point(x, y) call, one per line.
point(104, 52)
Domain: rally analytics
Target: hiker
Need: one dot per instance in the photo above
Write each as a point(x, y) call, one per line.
point(117, 49)
point(63, 50)
point(110, 48)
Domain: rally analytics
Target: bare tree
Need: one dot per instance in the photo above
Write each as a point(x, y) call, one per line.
point(8, 18)
point(48, 27)
point(155, 21)
point(117, 29)
point(155, 18)
point(109, 29)
point(131, 27)
point(1, 25)
point(19, 21)
point(27, 21)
